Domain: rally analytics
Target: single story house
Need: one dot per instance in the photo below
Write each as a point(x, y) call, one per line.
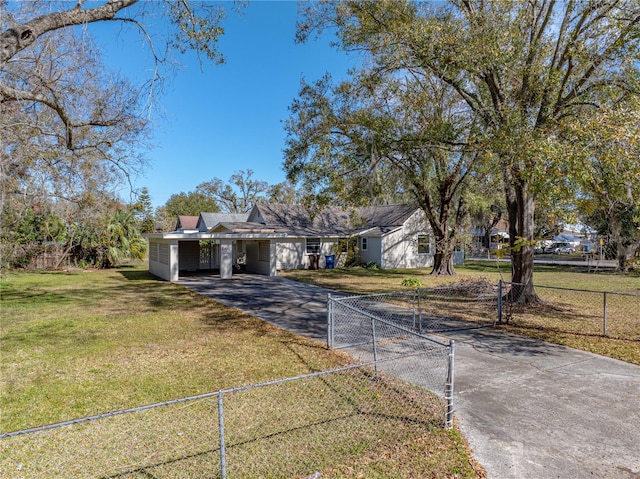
point(273, 237)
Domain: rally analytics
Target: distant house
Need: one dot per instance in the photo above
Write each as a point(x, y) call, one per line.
point(484, 241)
point(274, 237)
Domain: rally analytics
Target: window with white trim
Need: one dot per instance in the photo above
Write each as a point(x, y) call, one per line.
point(313, 245)
point(424, 244)
point(364, 243)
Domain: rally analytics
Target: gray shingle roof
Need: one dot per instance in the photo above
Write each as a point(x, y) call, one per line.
point(330, 221)
point(209, 220)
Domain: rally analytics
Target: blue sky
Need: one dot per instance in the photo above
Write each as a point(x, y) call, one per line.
point(229, 117)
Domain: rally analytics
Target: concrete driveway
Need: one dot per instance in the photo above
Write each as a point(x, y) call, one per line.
point(527, 408)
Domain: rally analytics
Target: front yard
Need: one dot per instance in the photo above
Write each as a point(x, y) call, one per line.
point(82, 343)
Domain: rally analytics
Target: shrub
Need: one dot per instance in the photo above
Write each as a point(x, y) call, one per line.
point(412, 282)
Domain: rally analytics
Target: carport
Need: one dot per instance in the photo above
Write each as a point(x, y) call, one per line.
point(171, 254)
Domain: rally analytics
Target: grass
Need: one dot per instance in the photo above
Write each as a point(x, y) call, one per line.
point(81, 343)
point(569, 318)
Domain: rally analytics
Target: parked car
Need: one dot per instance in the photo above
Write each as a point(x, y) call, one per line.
point(540, 247)
point(559, 248)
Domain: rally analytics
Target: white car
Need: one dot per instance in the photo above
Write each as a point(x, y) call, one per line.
point(559, 248)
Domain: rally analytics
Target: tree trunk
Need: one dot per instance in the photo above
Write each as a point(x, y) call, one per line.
point(443, 264)
point(521, 208)
point(626, 250)
point(443, 258)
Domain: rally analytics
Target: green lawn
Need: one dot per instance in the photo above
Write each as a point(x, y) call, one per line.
point(569, 318)
point(81, 343)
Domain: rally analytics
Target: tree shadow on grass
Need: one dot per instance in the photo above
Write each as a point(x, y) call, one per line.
point(138, 275)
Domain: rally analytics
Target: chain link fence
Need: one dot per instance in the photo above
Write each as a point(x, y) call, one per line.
point(467, 305)
point(575, 311)
point(433, 310)
point(381, 329)
point(400, 386)
point(280, 429)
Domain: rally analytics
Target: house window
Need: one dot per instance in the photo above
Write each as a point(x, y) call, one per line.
point(347, 244)
point(364, 244)
point(313, 245)
point(424, 244)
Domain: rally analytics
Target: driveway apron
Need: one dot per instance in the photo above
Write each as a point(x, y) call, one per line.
point(528, 409)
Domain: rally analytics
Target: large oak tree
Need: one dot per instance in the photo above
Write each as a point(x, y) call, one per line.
point(378, 138)
point(522, 67)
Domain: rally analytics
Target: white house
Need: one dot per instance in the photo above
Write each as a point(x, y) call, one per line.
point(274, 237)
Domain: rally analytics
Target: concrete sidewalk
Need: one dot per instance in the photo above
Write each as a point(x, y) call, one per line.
point(527, 408)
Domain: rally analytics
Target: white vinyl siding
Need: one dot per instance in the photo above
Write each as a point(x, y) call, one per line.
point(163, 253)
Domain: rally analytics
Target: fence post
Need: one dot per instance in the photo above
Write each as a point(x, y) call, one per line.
point(448, 391)
point(375, 346)
point(419, 312)
point(223, 452)
point(329, 322)
point(500, 302)
point(413, 306)
point(604, 318)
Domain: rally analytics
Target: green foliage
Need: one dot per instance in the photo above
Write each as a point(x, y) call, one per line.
point(107, 243)
point(372, 265)
point(34, 228)
point(607, 148)
point(412, 282)
point(189, 204)
point(143, 211)
point(31, 233)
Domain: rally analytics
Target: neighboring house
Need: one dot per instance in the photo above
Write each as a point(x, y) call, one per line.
point(482, 243)
point(274, 237)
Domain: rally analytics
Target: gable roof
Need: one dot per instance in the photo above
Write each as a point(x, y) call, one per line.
point(207, 221)
point(187, 222)
point(332, 220)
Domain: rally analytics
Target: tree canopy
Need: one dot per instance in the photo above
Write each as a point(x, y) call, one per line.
point(522, 70)
point(72, 130)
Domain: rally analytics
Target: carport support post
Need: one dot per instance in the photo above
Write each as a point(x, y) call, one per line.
point(174, 261)
point(226, 258)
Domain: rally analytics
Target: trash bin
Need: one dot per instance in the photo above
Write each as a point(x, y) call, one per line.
point(314, 260)
point(330, 261)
